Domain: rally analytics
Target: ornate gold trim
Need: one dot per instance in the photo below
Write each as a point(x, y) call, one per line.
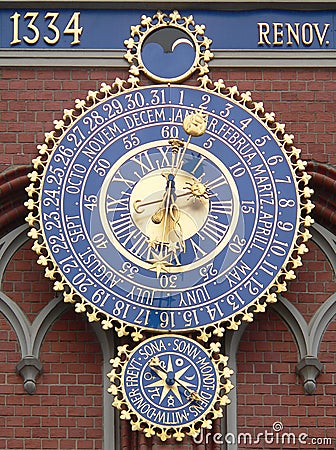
point(165, 432)
point(148, 25)
point(45, 257)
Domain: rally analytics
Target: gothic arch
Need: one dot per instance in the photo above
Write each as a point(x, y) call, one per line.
point(31, 335)
point(307, 336)
point(10, 244)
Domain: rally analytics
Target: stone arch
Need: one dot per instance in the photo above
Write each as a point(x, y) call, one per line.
point(307, 336)
point(320, 322)
point(295, 323)
point(18, 321)
point(327, 243)
point(12, 198)
point(10, 244)
point(30, 336)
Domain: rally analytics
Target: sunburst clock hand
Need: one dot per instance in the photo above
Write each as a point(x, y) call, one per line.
point(169, 377)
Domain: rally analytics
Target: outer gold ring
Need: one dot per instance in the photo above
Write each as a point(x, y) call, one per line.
point(70, 117)
point(150, 428)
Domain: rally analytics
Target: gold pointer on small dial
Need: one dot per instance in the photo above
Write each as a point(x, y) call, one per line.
point(155, 365)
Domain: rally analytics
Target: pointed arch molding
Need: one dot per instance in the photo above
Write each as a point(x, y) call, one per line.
point(323, 182)
point(30, 335)
point(12, 197)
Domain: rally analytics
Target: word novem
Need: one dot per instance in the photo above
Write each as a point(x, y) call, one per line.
point(287, 34)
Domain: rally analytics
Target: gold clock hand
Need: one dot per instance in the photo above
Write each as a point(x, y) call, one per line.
point(194, 125)
point(194, 396)
point(137, 204)
point(180, 159)
point(155, 365)
point(167, 200)
point(196, 189)
point(169, 215)
point(166, 216)
point(176, 144)
point(162, 374)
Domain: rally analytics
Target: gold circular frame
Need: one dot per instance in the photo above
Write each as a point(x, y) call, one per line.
point(149, 25)
point(193, 428)
point(244, 100)
point(194, 264)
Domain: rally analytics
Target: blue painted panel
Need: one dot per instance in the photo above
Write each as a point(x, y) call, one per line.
point(107, 29)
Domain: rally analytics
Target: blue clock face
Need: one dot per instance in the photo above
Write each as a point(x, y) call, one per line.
point(161, 230)
point(170, 381)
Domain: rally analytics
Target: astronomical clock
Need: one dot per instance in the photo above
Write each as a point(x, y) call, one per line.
point(169, 212)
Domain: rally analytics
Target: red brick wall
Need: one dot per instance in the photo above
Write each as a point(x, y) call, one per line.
point(66, 411)
point(25, 283)
point(31, 99)
point(12, 432)
point(72, 363)
point(314, 284)
point(270, 392)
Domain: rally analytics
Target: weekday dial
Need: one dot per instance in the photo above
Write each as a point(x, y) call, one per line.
point(170, 383)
